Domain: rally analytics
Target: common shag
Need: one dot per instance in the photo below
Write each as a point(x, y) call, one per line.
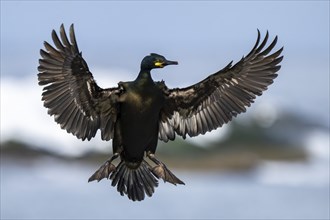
point(137, 113)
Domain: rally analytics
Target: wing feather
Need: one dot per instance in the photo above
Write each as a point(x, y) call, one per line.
point(70, 92)
point(223, 95)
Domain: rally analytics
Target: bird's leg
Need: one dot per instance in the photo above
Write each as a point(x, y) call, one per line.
point(105, 170)
point(161, 171)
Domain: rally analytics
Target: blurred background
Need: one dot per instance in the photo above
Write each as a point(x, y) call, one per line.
point(270, 163)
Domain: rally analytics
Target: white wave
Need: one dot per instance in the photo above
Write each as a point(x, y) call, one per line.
point(318, 144)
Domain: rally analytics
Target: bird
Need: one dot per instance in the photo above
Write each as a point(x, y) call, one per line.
point(136, 114)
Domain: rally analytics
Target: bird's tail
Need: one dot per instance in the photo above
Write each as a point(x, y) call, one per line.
point(135, 182)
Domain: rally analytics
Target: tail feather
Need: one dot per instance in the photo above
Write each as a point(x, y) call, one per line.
point(134, 182)
point(147, 180)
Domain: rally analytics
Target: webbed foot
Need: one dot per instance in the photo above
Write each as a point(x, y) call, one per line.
point(105, 170)
point(161, 171)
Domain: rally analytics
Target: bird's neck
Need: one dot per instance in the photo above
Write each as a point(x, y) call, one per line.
point(144, 76)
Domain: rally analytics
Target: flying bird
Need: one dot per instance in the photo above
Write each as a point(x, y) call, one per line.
point(137, 113)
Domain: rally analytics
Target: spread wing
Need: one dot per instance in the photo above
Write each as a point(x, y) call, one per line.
point(214, 101)
point(70, 93)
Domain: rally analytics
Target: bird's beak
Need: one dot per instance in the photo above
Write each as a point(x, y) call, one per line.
point(169, 62)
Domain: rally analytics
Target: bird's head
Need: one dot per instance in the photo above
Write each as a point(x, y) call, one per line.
point(153, 61)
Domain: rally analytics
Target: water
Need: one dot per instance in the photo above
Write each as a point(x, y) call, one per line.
point(51, 188)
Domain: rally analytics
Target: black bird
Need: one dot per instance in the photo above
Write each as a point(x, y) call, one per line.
point(136, 114)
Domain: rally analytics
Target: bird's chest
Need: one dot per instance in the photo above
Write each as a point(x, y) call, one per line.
point(142, 101)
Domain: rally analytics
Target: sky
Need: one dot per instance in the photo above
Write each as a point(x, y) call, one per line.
point(203, 36)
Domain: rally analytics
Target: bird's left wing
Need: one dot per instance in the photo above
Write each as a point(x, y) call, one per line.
point(71, 94)
point(214, 101)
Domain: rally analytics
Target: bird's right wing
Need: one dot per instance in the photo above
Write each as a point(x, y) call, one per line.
point(71, 94)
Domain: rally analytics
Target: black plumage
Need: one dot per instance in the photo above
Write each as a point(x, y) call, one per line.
point(136, 114)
